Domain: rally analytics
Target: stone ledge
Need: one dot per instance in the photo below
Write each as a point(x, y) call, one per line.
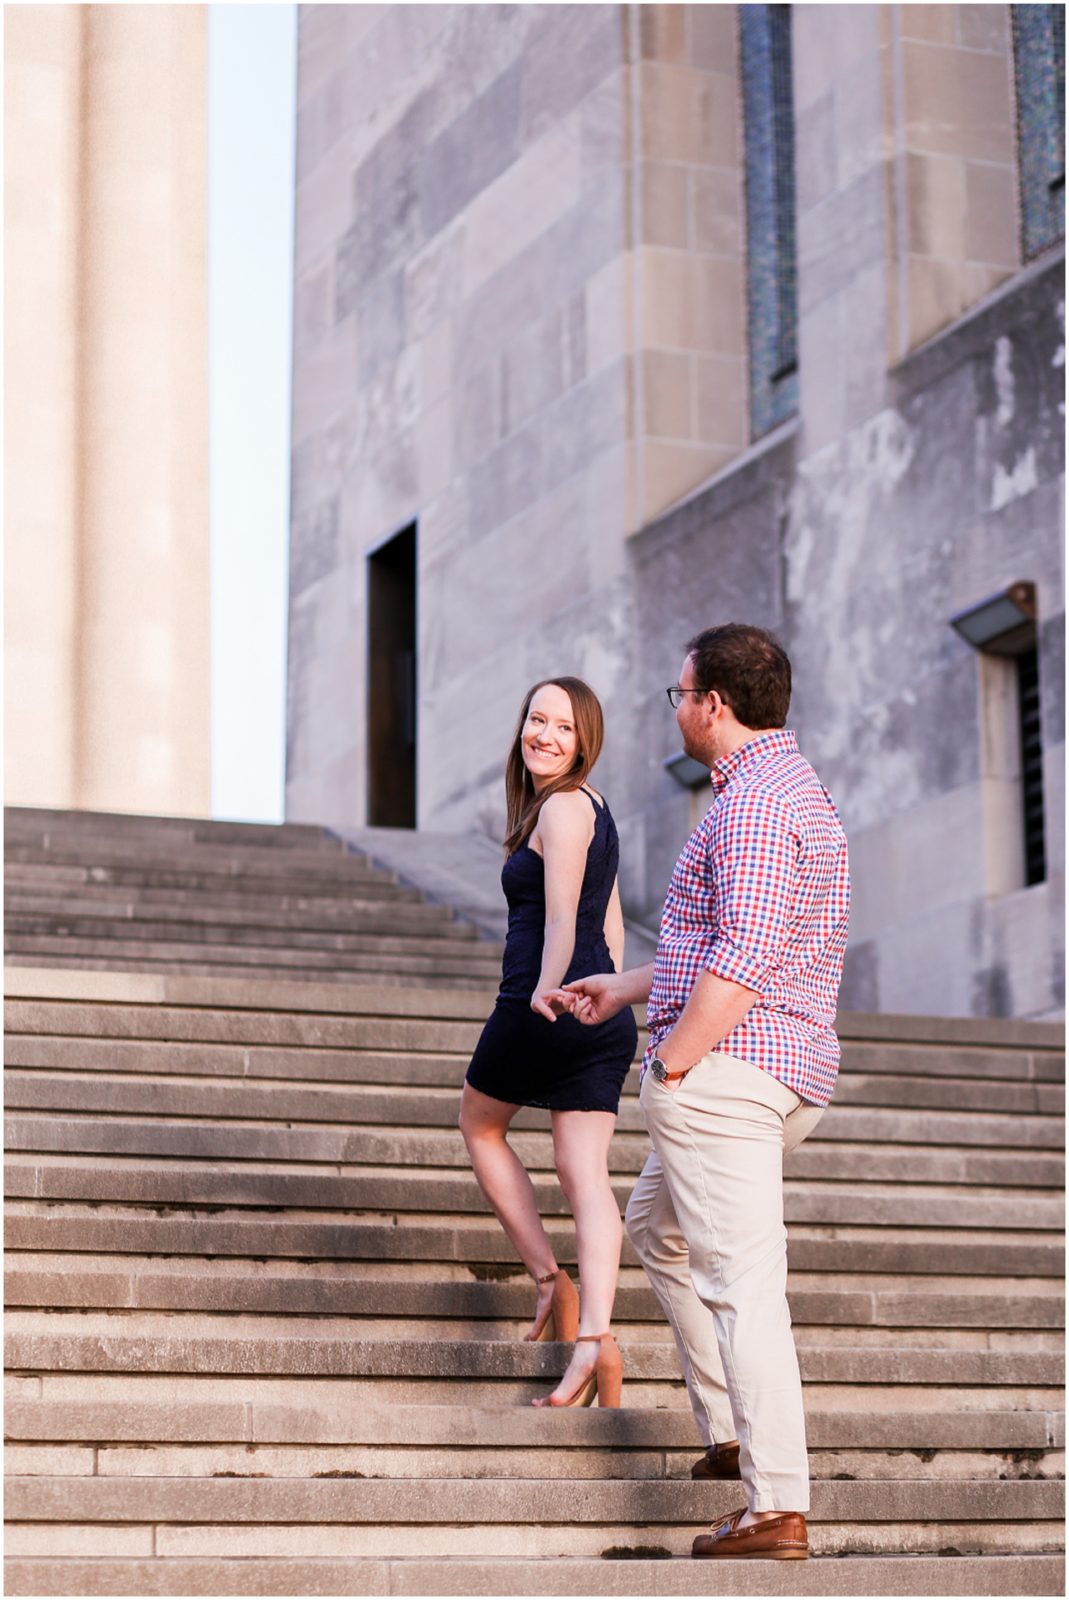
point(542, 1500)
point(1037, 1575)
point(504, 1427)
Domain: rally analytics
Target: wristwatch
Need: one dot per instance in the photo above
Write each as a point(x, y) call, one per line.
point(661, 1072)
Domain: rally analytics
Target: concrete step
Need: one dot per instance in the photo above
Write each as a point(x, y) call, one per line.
point(102, 1229)
point(111, 995)
point(860, 1062)
point(21, 822)
point(378, 1189)
point(174, 854)
point(373, 1105)
point(447, 1276)
point(411, 1431)
point(488, 1462)
point(322, 1502)
point(500, 1542)
point(124, 1283)
point(446, 960)
point(539, 1517)
point(405, 1147)
point(252, 1027)
point(855, 1087)
point(20, 927)
point(198, 876)
point(223, 910)
point(315, 1391)
point(254, 971)
point(161, 1341)
point(972, 1066)
point(942, 1574)
point(248, 1259)
point(995, 1035)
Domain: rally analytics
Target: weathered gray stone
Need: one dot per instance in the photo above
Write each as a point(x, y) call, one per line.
point(566, 57)
point(177, 1500)
point(428, 1193)
point(955, 1575)
point(470, 152)
point(196, 1234)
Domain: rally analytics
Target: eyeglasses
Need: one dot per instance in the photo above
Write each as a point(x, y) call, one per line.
point(675, 694)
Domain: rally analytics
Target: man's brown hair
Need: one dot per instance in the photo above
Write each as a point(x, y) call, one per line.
point(749, 670)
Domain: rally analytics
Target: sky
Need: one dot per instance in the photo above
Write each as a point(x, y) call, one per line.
point(252, 92)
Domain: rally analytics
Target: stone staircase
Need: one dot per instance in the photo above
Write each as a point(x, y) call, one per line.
point(263, 1335)
point(88, 889)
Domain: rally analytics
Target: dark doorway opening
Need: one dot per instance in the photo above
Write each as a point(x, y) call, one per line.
point(391, 683)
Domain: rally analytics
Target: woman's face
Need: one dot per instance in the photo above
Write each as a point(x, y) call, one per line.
point(549, 742)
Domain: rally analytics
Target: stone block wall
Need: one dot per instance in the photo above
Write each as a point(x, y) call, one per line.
point(949, 111)
point(521, 324)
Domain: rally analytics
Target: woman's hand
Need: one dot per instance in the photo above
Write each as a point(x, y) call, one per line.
point(597, 998)
point(550, 1003)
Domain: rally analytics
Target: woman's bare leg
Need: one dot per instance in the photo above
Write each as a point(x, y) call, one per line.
point(503, 1179)
point(581, 1150)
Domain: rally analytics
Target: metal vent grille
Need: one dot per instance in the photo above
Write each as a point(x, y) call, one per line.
point(1035, 849)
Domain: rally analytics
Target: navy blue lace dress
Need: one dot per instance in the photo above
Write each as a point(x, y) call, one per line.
point(564, 1065)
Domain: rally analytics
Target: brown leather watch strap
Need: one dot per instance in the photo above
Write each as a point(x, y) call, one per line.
point(669, 1077)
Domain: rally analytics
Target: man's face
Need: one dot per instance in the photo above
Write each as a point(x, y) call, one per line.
point(693, 719)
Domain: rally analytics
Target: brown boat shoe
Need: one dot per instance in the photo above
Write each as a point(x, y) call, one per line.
point(781, 1538)
point(719, 1461)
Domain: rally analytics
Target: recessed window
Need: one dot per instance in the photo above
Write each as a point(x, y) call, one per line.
point(771, 253)
point(1031, 735)
point(1039, 72)
point(1003, 630)
point(391, 681)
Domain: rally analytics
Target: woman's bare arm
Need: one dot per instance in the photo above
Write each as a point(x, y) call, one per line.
point(565, 828)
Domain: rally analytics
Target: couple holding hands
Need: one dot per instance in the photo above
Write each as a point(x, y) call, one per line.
point(741, 1061)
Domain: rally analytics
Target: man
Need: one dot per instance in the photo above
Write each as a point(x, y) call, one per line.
point(742, 1060)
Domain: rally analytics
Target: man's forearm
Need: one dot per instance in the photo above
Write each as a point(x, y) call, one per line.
point(716, 1005)
point(633, 986)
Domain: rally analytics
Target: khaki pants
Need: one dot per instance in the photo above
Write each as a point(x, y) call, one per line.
point(706, 1218)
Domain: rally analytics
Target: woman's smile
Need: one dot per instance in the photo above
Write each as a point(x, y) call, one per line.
point(549, 743)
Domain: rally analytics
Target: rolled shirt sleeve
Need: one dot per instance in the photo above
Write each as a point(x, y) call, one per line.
point(753, 853)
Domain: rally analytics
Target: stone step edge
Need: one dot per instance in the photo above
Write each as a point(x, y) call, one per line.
point(257, 1353)
point(86, 818)
point(267, 995)
point(159, 953)
point(400, 1425)
point(1038, 1575)
point(482, 1502)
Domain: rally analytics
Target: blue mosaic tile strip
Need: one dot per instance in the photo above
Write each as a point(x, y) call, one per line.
point(1039, 65)
point(771, 279)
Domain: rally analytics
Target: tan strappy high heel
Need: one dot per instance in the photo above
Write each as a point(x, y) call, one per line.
point(606, 1380)
point(561, 1321)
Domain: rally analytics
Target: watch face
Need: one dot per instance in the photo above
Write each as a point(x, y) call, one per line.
point(659, 1070)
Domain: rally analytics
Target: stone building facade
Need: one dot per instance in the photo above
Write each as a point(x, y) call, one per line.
point(616, 321)
point(106, 431)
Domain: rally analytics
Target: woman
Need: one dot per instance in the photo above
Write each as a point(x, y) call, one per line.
point(565, 922)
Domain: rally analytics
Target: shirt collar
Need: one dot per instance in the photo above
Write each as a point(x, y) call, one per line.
point(778, 741)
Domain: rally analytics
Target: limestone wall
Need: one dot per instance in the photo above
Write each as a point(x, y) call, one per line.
point(521, 324)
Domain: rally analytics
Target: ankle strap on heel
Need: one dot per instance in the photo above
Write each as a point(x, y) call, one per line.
point(549, 1277)
point(593, 1338)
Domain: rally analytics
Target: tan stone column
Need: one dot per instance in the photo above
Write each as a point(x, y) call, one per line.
point(42, 117)
point(142, 695)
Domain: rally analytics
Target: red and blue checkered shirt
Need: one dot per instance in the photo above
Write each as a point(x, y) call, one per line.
point(761, 896)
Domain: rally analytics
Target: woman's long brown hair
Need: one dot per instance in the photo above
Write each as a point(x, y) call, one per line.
point(523, 804)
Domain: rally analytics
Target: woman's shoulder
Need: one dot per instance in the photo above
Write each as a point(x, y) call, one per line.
point(567, 817)
point(567, 808)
